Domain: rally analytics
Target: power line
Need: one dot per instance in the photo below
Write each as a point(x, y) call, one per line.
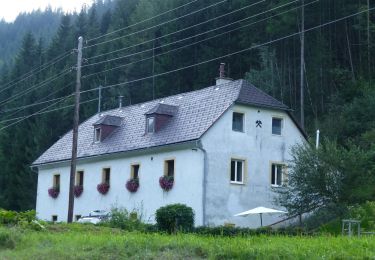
point(43, 111)
point(181, 30)
point(203, 40)
point(140, 22)
point(37, 86)
point(34, 71)
point(233, 53)
point(158, 25)
point(196, 35)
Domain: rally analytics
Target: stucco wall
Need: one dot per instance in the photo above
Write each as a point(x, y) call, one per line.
point(259, 147)
point(149, 197)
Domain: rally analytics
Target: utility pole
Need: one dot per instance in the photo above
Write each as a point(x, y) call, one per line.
point(302, 79)
point(100, 98)
point(75, 132)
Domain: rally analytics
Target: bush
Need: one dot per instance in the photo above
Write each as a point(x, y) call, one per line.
point(121, 218)
point(8, 217)
point(175, 217)
point(8, 239)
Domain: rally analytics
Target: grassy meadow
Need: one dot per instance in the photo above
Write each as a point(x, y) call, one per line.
point(61, 241)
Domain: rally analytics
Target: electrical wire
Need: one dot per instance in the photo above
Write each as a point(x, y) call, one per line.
point(181, 30)
point(232, 53)
point(33, 72)
point(158, 25)
point(140, 22)
point(196, 35)
point(203, 40)
point(34, 87)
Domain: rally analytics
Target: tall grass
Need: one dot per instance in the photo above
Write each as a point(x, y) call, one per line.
point(88, 242)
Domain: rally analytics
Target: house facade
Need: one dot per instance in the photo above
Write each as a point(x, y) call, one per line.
point(221, 150)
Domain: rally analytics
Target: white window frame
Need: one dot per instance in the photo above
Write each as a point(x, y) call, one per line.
point(97, 137)
point(274, 174)
point(281, 125)
point(243, 121)
point(236, 172)
point(147, 124)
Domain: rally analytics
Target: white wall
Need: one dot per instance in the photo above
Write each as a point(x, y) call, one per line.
point(259, 147)
point(149, 197)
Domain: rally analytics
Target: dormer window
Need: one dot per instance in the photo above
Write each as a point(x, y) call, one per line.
point(104, 127)
point(150, 124)
point(97, 134)
point(159, 116)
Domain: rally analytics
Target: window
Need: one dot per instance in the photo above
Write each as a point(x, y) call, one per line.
point(236, 171)
point(134, 171)
point(237, 122)
point(276, 125)
point(54, 218)
point(97, 134)
point(77, 217)
point(150, 127)
point(106, 175)
point(79, 178)
point(56, 181)
point(169, 168)
point(277, 176)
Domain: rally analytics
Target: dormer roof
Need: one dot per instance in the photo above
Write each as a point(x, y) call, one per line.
point(163, 109)
point(109, 120)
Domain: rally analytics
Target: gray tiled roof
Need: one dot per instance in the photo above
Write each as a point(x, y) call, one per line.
point(163, 109)
point(109, 120)
point(197, 111)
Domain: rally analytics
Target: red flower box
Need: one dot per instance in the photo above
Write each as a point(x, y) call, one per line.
point(78, 189)
point(53, 192)
point(132, 185)
point(103, 188)
point(166, 182)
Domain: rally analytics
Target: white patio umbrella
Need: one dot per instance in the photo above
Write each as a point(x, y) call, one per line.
point(260, 211)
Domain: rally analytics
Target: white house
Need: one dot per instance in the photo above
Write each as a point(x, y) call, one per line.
point(225, 147)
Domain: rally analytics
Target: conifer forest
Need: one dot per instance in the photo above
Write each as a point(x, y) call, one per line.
point(148, 49)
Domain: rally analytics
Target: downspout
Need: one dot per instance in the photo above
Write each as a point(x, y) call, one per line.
point(204, 182)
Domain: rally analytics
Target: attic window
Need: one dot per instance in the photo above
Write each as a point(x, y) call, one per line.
point(237, 122)
point(150, 125)
point(97, 134)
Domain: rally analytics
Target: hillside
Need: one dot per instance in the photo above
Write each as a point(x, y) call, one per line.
point(145, 49)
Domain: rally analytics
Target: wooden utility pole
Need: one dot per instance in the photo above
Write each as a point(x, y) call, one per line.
point(75, 132)
point(302, 79)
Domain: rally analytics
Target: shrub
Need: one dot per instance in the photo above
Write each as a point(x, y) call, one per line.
point(175, 217)
point(8, 217)
point(120, 218)
point(8, 239)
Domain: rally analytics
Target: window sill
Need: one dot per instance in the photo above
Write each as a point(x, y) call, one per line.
point(238, 131)
point(237, 183)
point(277, 135)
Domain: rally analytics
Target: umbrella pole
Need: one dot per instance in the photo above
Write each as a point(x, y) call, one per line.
point(261, 220)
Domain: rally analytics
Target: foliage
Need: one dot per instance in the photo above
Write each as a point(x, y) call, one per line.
point(53, 192)
point(9, 238)
point(78, 189)
point(331, 176)
point(9, 217)
point(92, 242)
point(339, 96)
point(132, 185)
point(103, 188)
point(121, 218)
point(175, 217)
point(166, 182)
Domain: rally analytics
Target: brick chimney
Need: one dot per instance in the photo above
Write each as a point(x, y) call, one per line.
point(222, 79)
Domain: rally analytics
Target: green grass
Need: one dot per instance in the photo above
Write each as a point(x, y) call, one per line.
point(89, 242)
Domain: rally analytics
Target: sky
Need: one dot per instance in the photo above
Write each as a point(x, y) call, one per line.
point(9, 9)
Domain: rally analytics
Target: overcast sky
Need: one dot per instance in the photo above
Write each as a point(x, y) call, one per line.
point(9, 9)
